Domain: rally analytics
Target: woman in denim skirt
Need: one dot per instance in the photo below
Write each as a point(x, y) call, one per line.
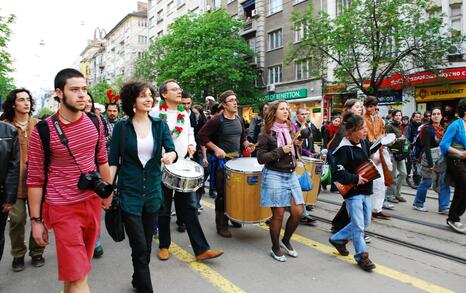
point(280, 186)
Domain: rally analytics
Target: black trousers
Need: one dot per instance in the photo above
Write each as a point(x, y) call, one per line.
point(3, 219)
point(341, 219)
point(457, 170)
point(186, 206)
point(221, 220)
point(139, 230)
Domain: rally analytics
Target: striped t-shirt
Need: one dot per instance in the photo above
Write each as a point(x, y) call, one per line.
point(63, 173)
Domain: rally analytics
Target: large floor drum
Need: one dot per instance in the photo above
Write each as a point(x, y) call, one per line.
point(243, 183)
point(314, 168)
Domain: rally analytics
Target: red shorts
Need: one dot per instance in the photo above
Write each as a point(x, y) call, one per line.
point(76, 229)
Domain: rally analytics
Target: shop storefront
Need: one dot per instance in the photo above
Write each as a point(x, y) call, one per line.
point(439, 96)
point(334, 100)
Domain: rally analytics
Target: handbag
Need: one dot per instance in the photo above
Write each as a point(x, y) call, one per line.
point(114, 220)
point(113, 216)
point(305, 181)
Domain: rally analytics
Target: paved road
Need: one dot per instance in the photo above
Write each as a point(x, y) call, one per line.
point(247, 266)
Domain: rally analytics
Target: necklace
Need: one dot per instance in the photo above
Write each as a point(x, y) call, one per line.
point(21, 123)
point(64, 118)
point(176, 131)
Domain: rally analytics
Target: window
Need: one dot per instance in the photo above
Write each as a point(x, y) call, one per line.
point(275, 39)
point(217, 4)
point(140, 55)
point(302, 69)
point(142, 40)
point(275, 74)
point(252, 44)
point(180, 3)
point(159, 34)
point(169, 8)
point(299, 34)
point(342, 4)
point(456, 16)
point(275, 6)
point(160, 15)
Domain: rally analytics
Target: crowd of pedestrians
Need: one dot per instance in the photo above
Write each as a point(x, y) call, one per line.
point(60, 171)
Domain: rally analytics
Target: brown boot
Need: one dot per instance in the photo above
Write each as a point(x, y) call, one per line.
point(221, 221)
point(365, 263)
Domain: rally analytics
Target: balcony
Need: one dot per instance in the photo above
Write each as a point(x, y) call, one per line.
point(250, 26)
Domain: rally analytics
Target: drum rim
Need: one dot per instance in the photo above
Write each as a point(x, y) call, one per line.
point(244, 172)
point(176, 188)
point(247, 222)
point(312, 160)
point(165, 170)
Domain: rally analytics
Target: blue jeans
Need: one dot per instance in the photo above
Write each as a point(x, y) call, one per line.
point(443, 197)
point(359, 210)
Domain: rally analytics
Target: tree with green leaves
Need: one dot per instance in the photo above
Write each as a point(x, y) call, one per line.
point(371, 39)
point(204, 53)
point(6, 64)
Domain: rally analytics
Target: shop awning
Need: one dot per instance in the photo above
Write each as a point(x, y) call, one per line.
point(307, 99)
point(249, 4)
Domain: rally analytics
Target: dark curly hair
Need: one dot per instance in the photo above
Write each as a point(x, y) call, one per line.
point(461, 110)
point(8, 105)
point(130, 91)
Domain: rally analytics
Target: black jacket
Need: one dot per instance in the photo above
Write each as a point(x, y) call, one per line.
point(347, 158)
point(9, 163)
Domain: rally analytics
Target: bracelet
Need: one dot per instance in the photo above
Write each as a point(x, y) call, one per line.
point(36, 219)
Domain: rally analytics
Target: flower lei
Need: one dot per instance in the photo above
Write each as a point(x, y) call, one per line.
point(176, 131)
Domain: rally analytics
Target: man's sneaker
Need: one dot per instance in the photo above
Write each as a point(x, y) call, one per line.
point(392, 199)
point(365, 263)
point(308, 220)
point(37, 261)
point(181, 228)
point(367, 238)
point(236, 224)
point(98, 251)
point(224, 233)
point(212, 194)
point(341, 248)
point(400, 198)
point(444, 211)
point(388, 206)
point(420, 209)
point(457, 226)
point(18, 264)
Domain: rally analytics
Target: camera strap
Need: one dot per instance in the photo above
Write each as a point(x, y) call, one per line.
point(63, 139)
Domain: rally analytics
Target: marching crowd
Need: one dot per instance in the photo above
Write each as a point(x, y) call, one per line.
point(62, 170)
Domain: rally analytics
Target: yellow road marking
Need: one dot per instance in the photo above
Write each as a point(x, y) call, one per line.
point(416, 282)
point(204, 270)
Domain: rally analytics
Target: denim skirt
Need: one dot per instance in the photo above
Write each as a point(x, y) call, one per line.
point(278, 187)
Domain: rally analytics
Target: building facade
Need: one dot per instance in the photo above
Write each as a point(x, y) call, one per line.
point(111, 55)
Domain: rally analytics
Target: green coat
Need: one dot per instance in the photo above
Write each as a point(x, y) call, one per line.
point(140, 187)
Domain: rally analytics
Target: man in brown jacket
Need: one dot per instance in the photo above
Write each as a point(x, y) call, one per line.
point(18, 107)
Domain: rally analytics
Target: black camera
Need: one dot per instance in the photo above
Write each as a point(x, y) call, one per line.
point(92, 180)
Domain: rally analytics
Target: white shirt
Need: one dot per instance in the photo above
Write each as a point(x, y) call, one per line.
point(145, 148)
point(186, 136)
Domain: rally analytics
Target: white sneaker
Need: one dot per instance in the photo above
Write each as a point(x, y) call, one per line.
point(421, 209)
point(457, 226)
point(388, 206)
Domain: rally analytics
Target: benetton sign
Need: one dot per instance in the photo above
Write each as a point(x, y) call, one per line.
point(287, 95)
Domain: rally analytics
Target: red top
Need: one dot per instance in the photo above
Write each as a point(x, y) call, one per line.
point(63, 173)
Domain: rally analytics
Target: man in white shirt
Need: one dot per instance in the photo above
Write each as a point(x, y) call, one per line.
point(171, 110)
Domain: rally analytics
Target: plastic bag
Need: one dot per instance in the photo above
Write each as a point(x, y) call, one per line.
point(305, 181)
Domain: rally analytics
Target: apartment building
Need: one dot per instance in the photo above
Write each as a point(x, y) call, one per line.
point(161, 13)
point(114, 54)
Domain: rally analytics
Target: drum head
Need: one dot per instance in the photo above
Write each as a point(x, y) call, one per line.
point(388, 139)
point(186, 169)
point(246, 165)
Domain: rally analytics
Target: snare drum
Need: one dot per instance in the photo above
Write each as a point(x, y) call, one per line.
point(314, 168)
point(242, 187)
point(183, 176)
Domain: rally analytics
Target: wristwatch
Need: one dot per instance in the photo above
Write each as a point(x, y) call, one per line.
point(37, 219)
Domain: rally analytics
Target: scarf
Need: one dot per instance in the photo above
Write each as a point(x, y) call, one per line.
point(283, 135)
point(439, 132)
point(332, 129)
